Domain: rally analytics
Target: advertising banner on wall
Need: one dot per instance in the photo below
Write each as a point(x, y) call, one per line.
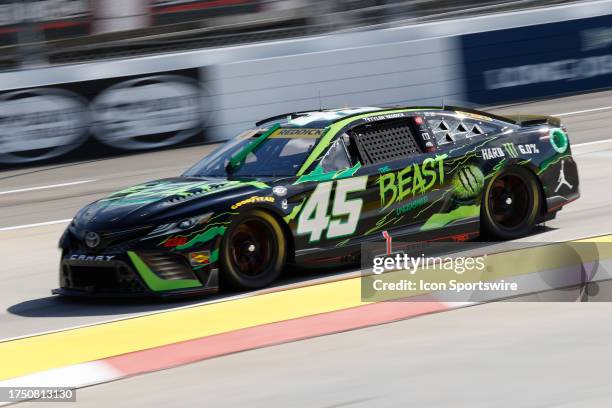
point(123, 113)
point(178, 11)
point(57, 19)
point(538, 61)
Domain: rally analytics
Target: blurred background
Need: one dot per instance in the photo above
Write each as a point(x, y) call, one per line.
point(83, 79)
point(98, 95)
point(35, 32)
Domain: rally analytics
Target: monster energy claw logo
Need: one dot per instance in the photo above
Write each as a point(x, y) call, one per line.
point(468, 181)
point(510, 148)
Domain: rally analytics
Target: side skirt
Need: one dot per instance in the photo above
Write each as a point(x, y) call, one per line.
point(350, 254)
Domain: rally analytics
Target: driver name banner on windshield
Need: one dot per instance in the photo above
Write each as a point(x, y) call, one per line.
point(286, 133)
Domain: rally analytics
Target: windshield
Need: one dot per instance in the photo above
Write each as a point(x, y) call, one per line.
point(281, 154)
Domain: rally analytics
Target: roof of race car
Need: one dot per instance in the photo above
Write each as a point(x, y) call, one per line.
point(317, 119)
point(335, 119)
point(323, 118)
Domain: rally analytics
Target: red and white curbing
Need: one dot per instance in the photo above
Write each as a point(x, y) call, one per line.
point(173, 355)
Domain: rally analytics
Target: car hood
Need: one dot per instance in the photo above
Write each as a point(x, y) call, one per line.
point(163, 200)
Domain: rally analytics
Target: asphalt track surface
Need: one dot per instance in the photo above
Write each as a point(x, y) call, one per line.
point(510, 354)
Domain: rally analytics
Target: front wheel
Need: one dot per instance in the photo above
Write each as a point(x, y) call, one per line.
point(253, 251)
point(511, 204)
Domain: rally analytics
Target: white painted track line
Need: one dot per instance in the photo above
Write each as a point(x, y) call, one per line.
point(596, 142)
point(21, 190)
point(583, 111)
point(38, 224)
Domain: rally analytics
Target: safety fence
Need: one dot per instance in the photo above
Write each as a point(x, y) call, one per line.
point(88, 110)
point(34, 32)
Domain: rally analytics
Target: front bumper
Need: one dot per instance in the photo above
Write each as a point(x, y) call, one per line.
point(132, 274)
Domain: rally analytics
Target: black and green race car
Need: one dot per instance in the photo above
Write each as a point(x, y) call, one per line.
point(308, 188)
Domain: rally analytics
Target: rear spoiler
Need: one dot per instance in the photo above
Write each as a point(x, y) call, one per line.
point(518, 119)
point(533, 120)
point(480, 113)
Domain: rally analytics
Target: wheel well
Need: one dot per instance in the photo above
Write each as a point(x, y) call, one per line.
point(543, 207)
point(286, 232)
point(525, 224)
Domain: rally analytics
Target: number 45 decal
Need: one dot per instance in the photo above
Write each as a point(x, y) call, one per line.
point(314, 220)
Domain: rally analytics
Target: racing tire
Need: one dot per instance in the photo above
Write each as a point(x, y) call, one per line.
point(511, 204)
point(253, 251)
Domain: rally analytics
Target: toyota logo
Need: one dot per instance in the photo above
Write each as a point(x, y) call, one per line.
point(92, 240)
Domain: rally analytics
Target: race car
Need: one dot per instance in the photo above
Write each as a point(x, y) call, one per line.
point(308, 188)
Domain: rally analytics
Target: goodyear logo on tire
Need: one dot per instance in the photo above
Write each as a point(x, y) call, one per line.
point(254, 199)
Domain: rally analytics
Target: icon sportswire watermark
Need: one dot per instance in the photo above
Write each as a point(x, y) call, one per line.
point(477, 271)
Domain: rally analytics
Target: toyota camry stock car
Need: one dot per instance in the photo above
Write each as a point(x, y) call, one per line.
point(307, 188)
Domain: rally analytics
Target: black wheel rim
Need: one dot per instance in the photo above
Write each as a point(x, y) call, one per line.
point(252, 248)
point(509, 201)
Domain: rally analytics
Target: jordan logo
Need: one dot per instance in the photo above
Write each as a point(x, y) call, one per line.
point(561, 180)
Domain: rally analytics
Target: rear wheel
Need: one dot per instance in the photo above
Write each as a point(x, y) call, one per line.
point(253, 251)
point(511, 204)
